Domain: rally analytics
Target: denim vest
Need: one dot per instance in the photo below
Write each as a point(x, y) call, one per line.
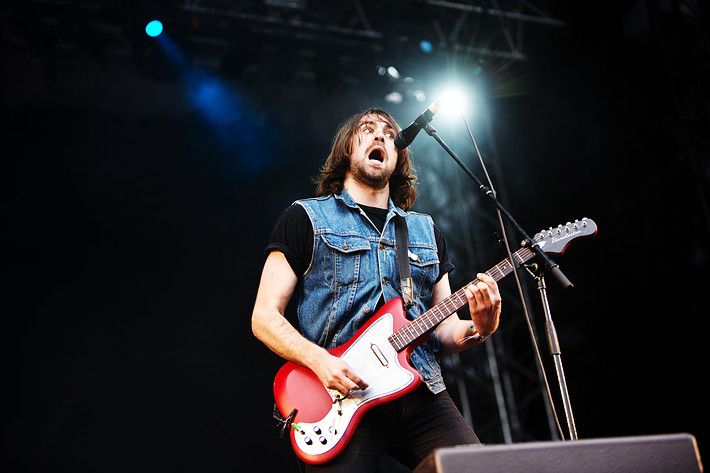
point(353, 266)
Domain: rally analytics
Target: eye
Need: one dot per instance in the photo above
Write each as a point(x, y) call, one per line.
point(389, 134)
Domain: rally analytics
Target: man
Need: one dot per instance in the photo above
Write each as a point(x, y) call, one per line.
point(364, 183)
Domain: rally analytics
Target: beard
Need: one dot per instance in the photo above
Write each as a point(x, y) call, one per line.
point(377, 179)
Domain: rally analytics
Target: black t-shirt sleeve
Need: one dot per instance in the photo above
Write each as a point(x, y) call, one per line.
point(293, 236)
point(445, 264)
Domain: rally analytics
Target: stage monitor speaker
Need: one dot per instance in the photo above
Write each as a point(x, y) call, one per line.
point(649, 454)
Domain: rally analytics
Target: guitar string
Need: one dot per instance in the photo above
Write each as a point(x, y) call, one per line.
point(416, 328)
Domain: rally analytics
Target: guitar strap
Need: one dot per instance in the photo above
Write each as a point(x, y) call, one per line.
point(405, 274)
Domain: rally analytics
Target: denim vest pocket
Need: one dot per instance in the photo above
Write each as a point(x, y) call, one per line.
point(424, 264)
point(345, 260)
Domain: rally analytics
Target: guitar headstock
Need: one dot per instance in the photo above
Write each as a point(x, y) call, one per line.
point(555, 240)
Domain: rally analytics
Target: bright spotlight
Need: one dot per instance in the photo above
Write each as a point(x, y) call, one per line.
point(453, 100)
point(154, 28)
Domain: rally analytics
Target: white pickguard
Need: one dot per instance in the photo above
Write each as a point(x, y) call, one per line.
point(374, 359)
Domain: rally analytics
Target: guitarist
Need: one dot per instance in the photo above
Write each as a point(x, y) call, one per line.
point(338, 285)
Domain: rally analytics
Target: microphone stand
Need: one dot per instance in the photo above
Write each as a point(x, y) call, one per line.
point(556, 353)
point(548, 264)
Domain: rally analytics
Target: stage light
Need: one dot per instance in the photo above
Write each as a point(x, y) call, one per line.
point(426, 47)
point(418, 95)
point(453, 100)
point(154, 28)
point(394, 97)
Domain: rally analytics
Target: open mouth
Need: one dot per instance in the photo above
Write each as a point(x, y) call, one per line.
point(377, 155)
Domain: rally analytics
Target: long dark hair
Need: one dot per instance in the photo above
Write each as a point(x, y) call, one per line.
point(332, 173)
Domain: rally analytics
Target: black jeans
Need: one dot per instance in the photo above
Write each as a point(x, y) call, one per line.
point(407, 429)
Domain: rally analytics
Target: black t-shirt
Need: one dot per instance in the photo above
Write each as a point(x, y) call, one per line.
point(293, 236)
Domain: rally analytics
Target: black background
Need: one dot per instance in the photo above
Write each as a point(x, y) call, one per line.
point(134, 228)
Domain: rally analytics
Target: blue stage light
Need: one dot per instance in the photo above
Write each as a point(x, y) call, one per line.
point(426, 47)
point(154, 28)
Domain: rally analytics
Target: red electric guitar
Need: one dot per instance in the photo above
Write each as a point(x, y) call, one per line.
point(322, 420)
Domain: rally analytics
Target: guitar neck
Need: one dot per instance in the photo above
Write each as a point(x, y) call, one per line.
point(437, 314)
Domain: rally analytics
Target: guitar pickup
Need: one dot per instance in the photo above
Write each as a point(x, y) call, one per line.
point(378, 353)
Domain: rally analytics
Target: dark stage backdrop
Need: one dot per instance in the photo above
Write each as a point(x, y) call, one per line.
point(134, 227)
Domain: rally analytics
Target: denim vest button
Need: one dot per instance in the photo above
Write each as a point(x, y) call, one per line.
point(384, 280)
point(366, 310)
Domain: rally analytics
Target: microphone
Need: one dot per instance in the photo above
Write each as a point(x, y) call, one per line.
point(405, 137)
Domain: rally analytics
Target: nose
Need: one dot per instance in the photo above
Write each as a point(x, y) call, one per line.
point(379, 135)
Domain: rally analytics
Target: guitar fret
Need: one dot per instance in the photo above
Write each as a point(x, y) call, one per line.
point(396, 337)
point(461, 296)
point(436, 313)
point(449, 304)
point(499, 270)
